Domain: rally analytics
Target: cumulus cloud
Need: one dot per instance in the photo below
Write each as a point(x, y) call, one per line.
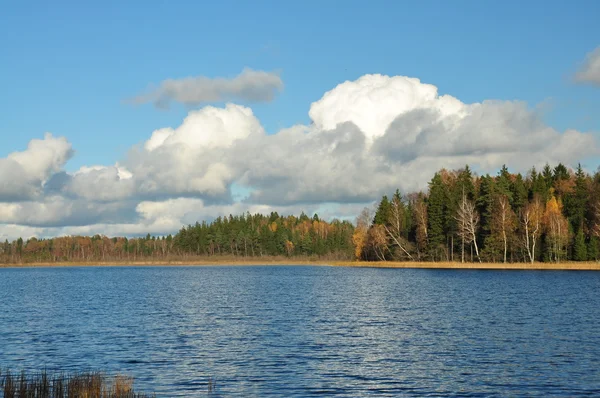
point(367, 137)
point(373, 101)
point(250, 85)
point(196, 157)
point(590, 70)
point(24, 173)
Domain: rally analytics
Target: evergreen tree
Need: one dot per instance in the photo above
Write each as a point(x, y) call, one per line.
point(580, 249)
point(548, 176)
point(576, 203)
point(537, 185)
point(503, 183)
point(20, 247)
point(436, 211)
point(485, 205)
point(383, 211)
point(519, 193)
point(560, 173)
point(593, 250)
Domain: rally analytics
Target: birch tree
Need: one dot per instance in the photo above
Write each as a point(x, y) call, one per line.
point(503, 222)
point(420, 213)
point(396, 224)
point(468, 220)
point(531, 220)
point(556, 226)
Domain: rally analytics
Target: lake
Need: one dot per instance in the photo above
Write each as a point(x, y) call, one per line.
point(301, 331)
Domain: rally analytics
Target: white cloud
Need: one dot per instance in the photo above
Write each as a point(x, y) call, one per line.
point(373, 101)
point(368, 137)
point(24, 173)
point(195, 158)
point(590, 70)
point(250, 85)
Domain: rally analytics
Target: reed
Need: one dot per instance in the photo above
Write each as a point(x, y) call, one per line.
point(573, 266)
point(61, 385)
point(323, 261)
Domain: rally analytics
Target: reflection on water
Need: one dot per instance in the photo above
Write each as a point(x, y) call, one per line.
point(298, 331)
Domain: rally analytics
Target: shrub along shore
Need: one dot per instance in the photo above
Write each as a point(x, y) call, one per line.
point(276, 261)
point(61, 385)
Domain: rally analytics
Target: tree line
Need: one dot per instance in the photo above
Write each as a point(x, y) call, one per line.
point(550, 215)
point(233, 236)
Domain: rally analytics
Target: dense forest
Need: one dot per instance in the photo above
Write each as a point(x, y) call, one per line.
point(551, 215)
point(234, 236)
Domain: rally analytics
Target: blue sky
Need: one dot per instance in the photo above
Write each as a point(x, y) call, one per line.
point(68, 66)
point(497, 85)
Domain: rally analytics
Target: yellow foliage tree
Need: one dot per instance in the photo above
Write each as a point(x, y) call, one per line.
point(556, 226)
point(359, 237)
point(289, 247)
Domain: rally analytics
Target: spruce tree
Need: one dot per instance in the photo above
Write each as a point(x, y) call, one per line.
point(382, 215)
point(519, 193)
point(580, 247)
point(485, 205)
point(593, 250)
point(436, 212)
point(503, 183)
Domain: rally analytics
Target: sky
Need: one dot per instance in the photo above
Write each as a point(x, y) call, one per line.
point(124, 118)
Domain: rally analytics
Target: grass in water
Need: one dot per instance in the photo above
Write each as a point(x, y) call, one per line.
point(77, 385)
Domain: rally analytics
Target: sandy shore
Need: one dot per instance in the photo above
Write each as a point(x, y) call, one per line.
point(388, 264)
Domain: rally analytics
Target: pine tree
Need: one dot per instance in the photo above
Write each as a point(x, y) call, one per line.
point(580, 248)
point(436, 209)
point(519, 193)
point(548, 176)
point(593, 250)
point(485, 205)
point(383, 211)
point(503, 183)
point(538, 184)
point(577, 203)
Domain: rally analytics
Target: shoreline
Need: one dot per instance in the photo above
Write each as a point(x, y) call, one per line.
point(216, 262)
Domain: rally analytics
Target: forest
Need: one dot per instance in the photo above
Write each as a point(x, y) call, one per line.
point(550, 215)
point(230, 237)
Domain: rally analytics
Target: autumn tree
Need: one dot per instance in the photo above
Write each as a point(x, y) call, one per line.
point(556, 227)
point(359, 237)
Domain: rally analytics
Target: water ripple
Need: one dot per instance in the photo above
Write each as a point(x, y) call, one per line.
point(304, 331)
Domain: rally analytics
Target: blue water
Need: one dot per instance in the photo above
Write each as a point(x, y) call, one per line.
point(301, 331)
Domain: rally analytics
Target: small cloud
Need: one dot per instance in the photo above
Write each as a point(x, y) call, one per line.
point(590, 70)
point(250, 85)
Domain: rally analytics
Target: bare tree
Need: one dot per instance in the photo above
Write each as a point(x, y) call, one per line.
point(417, 201)
point(468, 220)
point(377, 241)
point(596, 221)
point(503, 221)
point(396, 223)
point(531, 219)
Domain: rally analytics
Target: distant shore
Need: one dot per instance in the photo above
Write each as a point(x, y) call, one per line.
point(582, 266)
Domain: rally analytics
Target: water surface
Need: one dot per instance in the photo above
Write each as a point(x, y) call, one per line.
point(301, 331)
